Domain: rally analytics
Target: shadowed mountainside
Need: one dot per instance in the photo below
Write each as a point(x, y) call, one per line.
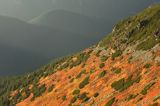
point(42, 41)
point(15, 61)
point(72, 22)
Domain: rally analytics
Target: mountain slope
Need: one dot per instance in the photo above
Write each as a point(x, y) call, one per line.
point(122, 69)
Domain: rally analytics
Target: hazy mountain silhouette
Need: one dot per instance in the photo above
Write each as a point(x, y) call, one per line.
point(69, 21)
point(43, 41)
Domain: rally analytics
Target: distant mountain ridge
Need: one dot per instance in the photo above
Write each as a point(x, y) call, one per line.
point(69, 21)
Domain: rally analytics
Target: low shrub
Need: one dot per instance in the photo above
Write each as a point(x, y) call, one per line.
point(69, 77)
point(116, 54)
point(37, 91)
point(156, 98)
point(76, 91)
point(118, 85)
point(116, 70)
point(110, 102)
point(96, 94)
point(73, 100)
point(102, 74)
point(82, 96)
point(80, 74)
point(101, 65)
point(27, 93)
point(64, 98)
point(129, 59)
point(98, 53)
point(155, 104)
point(81, 58)
point(86, 99)
point(147, 65)
point(92, 71)
point(71, 80)
point(83, 65)
point(84, 82)
point(50, 88)
point(104, 58)
point(65, 65)
point(130, 97)
point(123, 84)
point(18, 96)
point(146, 88)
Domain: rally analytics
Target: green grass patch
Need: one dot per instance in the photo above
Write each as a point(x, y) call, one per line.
point(146, 45)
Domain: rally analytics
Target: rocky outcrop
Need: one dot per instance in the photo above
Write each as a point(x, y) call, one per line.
point(157, 33)
point(142, 24)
